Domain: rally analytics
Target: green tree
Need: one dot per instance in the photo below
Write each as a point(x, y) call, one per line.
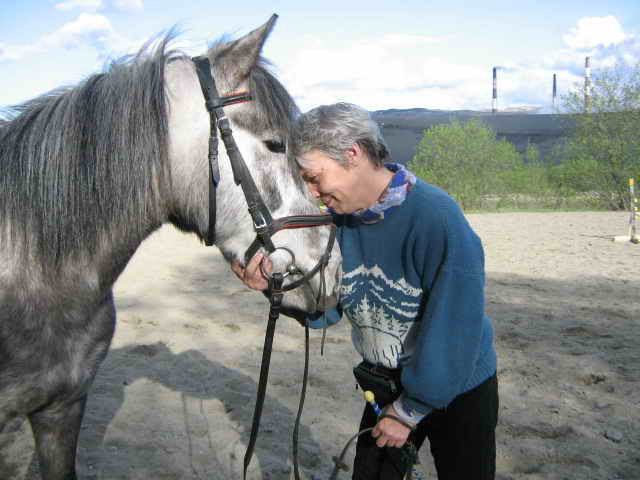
point(603, 151)
point(466, 160)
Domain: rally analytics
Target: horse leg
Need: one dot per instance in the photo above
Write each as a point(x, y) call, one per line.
point(56, 426)
point(56, 430)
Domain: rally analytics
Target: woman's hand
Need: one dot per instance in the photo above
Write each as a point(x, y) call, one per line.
point(251, 275)
point(253, 278)
point(390, 433)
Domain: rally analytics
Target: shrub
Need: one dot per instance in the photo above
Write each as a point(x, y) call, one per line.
point(466, 160)
point(603, 151)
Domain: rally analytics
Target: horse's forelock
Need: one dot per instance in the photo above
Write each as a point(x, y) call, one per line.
point(276, 109)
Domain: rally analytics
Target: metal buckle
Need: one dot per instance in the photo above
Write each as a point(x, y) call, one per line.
point(259, 227)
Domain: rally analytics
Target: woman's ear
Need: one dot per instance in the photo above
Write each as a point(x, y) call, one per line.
point(354, 154)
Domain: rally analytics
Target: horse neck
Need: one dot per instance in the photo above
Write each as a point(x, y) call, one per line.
point(189, 131)
point(83, 174)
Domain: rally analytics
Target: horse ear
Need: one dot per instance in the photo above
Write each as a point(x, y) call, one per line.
point(236, 59)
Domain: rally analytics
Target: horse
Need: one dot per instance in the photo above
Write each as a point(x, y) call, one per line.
point(88, 172)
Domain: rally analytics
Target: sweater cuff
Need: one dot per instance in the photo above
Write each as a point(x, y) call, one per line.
point(406, 413)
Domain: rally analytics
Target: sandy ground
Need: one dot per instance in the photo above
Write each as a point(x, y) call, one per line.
point(174, 398)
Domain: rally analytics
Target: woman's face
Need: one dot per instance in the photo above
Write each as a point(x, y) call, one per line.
point(335, 185)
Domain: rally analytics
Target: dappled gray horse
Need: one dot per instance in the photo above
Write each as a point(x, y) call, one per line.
point(86, 173)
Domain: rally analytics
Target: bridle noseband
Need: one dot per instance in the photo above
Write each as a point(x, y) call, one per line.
point(265, 227)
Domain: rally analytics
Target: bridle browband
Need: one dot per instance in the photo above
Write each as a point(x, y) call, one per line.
point(265, 227)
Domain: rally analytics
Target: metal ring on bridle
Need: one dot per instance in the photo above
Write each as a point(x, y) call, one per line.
point(291, 267)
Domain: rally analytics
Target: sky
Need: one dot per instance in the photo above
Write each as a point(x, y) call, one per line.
point(377, 54)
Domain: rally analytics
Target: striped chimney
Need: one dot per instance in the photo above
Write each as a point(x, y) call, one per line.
point(494, 101)
point(587, 83)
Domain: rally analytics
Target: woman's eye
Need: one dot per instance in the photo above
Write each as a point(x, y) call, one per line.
point(275, 146)
point(310, 179)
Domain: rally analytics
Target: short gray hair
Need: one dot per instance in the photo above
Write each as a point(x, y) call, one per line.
point(332, 129)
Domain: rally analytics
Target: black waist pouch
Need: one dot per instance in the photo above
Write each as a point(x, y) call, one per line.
point(383, 382)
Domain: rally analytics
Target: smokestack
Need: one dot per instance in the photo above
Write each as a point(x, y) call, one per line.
point(494, 101)
point(554, 95)
point(587, 83)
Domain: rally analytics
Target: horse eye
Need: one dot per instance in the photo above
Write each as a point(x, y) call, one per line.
point(275, 146)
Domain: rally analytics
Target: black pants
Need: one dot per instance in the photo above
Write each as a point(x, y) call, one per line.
point(462, 439)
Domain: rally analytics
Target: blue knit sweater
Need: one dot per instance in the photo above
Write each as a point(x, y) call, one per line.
point(413, 290)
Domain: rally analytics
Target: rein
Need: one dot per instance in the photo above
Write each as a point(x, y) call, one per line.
point(265, 227)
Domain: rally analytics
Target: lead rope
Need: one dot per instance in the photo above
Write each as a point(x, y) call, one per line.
point(303, 393)
point(410, 451)
point(339, 461)
point(294, 448)
point(276, 302)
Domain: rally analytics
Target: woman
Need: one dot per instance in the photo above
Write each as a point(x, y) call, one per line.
point(413, 290)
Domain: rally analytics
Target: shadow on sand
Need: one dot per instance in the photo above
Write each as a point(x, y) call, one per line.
point(212, 396)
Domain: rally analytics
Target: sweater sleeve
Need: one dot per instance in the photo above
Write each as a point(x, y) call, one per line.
point(449, 335)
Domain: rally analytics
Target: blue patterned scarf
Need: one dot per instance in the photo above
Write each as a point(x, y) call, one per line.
point(394, 194)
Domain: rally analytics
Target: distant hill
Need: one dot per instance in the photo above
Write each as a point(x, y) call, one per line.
point(403, 129)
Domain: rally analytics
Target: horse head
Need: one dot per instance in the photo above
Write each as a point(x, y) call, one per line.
point(260, 128)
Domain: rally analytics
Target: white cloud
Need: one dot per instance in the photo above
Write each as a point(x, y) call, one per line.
point(391, 71)
point(592, 32)
point(93, 5)
point(605, 51)
point(397, 71)
point(631, 59)
point(88, 29)
point(83, 4)
point(73, 33)
point(16, 52)
point(129, 5)
point(407, 71)
point(602, 39)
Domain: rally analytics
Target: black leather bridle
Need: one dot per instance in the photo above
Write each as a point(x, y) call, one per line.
point(264, 224)
point(265, 227)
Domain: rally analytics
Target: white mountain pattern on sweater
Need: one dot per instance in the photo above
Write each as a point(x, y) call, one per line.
point(382, 311)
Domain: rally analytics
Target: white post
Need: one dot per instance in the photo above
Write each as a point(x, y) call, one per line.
point(634, 213)
point(633, 210)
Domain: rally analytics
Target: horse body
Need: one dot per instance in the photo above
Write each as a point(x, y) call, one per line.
point(85, 175)
point(54, 333)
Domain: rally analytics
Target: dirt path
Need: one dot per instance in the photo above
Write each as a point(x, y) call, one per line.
point(175, 396)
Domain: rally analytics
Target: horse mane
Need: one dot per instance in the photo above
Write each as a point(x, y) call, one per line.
point(82, 162)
